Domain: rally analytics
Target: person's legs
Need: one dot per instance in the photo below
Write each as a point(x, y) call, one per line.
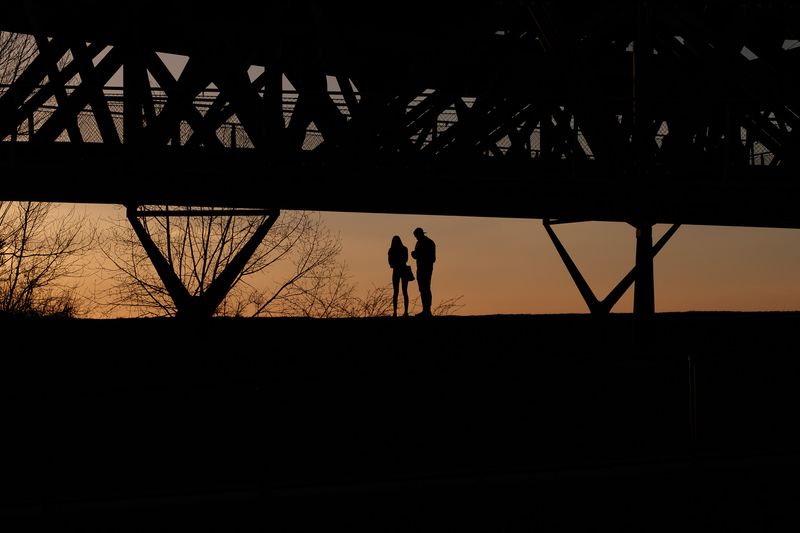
point(395, 287)
point(424, 282)
point(427, 299)
point(405, 298)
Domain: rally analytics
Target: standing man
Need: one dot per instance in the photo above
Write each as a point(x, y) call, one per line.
point(425, 255)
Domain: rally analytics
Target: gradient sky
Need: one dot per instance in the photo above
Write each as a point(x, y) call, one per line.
point(509, 266)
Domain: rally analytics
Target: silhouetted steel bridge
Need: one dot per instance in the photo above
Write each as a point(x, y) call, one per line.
point(639, 111)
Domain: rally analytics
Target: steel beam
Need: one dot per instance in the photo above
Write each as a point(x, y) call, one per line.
point(205, 303)
point(644, 289)
point(641, 274)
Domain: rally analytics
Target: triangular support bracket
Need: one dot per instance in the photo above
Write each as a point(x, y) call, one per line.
point(202, 305)
point(605, 305)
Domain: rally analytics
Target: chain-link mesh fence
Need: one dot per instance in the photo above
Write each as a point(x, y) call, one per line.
point(430, 133)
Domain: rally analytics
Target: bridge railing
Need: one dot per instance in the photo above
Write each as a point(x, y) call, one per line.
point(232, 134)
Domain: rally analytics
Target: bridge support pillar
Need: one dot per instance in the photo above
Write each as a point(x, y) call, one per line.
point(641, 274)
point(204, 304)
point(644, 287)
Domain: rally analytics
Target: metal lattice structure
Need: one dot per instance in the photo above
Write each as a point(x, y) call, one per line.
point(630, 111)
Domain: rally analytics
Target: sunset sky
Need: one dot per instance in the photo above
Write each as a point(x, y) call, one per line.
point(509, 266)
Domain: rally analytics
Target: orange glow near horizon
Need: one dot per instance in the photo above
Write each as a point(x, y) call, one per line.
point(509, 266)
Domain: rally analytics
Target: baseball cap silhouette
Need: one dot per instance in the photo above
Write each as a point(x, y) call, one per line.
point(419, 231)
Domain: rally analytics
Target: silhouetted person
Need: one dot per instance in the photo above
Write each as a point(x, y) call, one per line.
point(425, 255)
point(398, 260)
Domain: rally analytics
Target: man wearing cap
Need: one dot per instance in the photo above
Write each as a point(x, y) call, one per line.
point(425, 255)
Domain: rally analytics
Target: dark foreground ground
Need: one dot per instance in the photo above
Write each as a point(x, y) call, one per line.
point(502, 423)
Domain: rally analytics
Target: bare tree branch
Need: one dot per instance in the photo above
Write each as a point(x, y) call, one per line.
point(199, 248)
point(41, 251)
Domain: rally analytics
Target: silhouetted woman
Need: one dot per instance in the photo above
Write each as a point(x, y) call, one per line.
point(398, 257)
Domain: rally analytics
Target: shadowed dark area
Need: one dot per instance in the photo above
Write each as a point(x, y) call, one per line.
point(495, 423)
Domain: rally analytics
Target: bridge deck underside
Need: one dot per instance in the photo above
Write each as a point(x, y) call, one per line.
point(100, 174)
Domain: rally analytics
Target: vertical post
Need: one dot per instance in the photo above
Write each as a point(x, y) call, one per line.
point(642, 78)
point(727, 152)
point(644, 289)
point(134, 82)
point(643, 297)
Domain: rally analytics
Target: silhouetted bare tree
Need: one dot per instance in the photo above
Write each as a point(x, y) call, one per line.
point(43, 251)
point(299, 253)
point(42, 248)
